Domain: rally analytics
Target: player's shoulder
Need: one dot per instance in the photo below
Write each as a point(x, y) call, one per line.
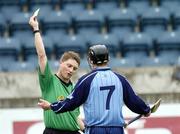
point(89, 75)
point(120, 76)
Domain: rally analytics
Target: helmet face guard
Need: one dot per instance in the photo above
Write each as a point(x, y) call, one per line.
point(98, 54)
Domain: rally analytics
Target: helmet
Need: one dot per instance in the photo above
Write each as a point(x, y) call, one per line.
point(98, 54)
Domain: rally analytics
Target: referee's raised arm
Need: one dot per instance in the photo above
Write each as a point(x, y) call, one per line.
point(42, 58)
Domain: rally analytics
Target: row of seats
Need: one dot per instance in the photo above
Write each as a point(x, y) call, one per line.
point(101, 3)
point(132, 46)
point(24, 66)
point(137, 34)
point(154, 21)
point(73, 5)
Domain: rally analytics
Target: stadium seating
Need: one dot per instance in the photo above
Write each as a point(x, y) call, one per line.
point(56, 36)
point(171, 5)
point(140, 6)
point(20, 66)
point(78, 24)
point(44, 11)
point(31, 3)
point(73, 7)
point(137, 46)
point(110, 40)
point(176, 20)
point(70, 43)
point(89, 22)
point(54, 64)
point(9, 2)
point(57, 20)
point(19, 24)
point(84, 63)
point(121, 63)
point(167, 47)
point(9, 51)
point(2, 24)
point(105, 6)
point(29, 51)
point(155, 21)
point(9, 11)
point(121, 21)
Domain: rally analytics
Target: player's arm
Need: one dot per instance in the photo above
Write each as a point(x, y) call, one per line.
point(132, 101)
point(42, 58)
point(69, 104)
point(74, 100)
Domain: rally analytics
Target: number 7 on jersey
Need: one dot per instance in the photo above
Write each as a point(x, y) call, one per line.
point(111, 90)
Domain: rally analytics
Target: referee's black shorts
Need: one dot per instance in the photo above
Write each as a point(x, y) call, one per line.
point(56, 131)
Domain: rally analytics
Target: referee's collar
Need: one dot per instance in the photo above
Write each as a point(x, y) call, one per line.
point(101, 69)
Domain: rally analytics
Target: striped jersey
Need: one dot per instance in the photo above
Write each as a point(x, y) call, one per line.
point(103, 94)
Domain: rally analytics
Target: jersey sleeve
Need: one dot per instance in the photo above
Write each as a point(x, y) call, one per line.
point(45, 78)
point(133, 101)
point(76, 98)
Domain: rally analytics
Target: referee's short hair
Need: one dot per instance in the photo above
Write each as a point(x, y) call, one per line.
point(70, 55)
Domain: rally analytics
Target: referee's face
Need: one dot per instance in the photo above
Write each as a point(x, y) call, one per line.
point(68, 68)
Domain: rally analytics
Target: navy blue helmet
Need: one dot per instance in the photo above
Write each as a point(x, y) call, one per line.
point(98, 54)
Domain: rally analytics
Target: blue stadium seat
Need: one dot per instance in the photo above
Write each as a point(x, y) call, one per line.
point(40, 2)
point(105, 6)
point(171, 5)
point(140, 6)
point(156, 62)
point(29, 51)
point(31, 3)
point(89, 22)
point(23, 36)
point(9, 50)
point(53, 4)
point(2, 25)
point(44, 10)
point(9, 2)
point(71, 43)
point(59, 20)
point(121, 21)
point(110, 40)
point(154, 21)
point(9, 11)
point(84, 64)
point(73, 7)
point(55, 35)
point(121, 63)
point(137, 46)
point(167, 47)
point(19, 24)
point(176, 20)
point(17, 66)
point(54, 64)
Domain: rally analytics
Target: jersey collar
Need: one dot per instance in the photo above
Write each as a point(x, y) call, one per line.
point(67, 84)
point(101, 69)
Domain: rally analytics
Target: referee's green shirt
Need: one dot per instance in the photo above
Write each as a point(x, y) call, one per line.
point(53, 89)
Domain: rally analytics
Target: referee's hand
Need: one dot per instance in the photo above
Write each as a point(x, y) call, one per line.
point(44, 104)
point(33, 22)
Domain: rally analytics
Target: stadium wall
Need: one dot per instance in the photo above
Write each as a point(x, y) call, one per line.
point(22, 89)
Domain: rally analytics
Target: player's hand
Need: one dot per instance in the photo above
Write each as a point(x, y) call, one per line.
point(34, 23)
point(44, 104)
point(148, 114)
